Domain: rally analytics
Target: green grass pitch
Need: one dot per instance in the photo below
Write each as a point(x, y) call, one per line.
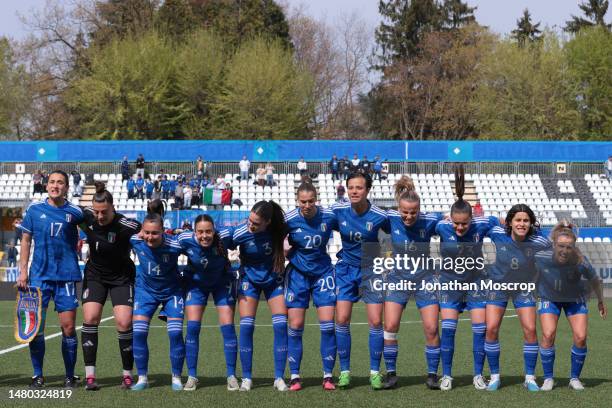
point(15, 368)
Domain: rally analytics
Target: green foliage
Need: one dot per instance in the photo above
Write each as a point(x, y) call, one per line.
point(123, 19)
point(15, 96)
point(595, 11)
point(242, 20)
point(589, 57)
point(130, 93)
point(457, 14)
point(175, 20)
point(525, 30)
point(264, 95)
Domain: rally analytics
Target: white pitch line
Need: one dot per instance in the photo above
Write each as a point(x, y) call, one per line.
point(214, 326)
point(51, 336)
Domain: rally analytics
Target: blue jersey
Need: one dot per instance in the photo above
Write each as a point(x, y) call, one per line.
point(514, 261)
point(256, 259)
point(468, 246)
point(356, 229)
point(55, 235)
point(165, 185)
point(157, 271)
point(563, 282)
point(308, 239)
point(206, 268)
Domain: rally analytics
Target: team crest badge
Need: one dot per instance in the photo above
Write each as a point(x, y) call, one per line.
point(290, 297)
point(85, 293)
point(245, 285)
point(476, 237)
point(323, 227)
point(68, 217)
point(369, 226)
point(27, 314)
point(166, 258)
point(112, 237)
point(422, 233)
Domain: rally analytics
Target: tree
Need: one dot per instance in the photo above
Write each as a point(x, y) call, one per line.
point(175, 19)
point(131, 92)
point(264, 94)
point(122, 19)
point(457, 14)
point(242, 20)
point(595, 11)
point(526, 31)
point(16, 96)
point(404, 24)
point(589, 57)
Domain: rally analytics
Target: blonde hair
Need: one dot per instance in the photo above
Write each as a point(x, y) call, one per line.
point(405, 190)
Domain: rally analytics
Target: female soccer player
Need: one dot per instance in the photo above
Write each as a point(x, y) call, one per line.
point(157, 282)
point(52, 224)
point(359, 222)
point(108, 270)
point(515, 248)
point(262, 262)
point(208, 273)
point(461, 240)
point(411, 232)
point(562, 274)
point(310, 272)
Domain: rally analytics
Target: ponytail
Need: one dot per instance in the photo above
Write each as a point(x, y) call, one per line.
point(102, 195)
point(272, 212)
point(460, 206)
point(405, 190)
point(156, 206)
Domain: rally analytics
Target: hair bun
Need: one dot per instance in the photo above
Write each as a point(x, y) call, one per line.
point(100, 187)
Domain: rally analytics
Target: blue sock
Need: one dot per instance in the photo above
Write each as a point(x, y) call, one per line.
point(390, 354)
point(177, 346)
point(295, 349)
point(376, 344)
point(478, 341)
point(192, 346)
point(548, 361)
point(69, 352)
point(140, 346)
point(530, 355)
point(279, 324)
point(432, 355)
point(328, 345)
point(230, 347)
point(343, 340)
point(493, 350)
point(37, 353)
point(247, 327)
point(447, 345)
point(578, 357)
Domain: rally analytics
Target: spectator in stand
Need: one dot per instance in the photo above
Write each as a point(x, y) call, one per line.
point(340, 193)
point(365, 165)
point(45, 180)
point(140, 187)
point(269, 174)
point(178, 195)
point(302, 167)
point(261, 175)
point(478, 211)
point(182, 178)
point(16, 225)
point(173, 185)
point(76, 183)
point(199, 167)
point(157, 189)
point(130, 187)
point(245, 166)
point(377, 167)
point(346, 167)
point(354, 167)
point(187, 195)
point(140, 165)
point(37, 180)
point(11, 255)
point(205, 182)
point(149, 186)
point(608, 167)
point(165, 187)
point(125, 169)
point(196, 193)
point(334, 167)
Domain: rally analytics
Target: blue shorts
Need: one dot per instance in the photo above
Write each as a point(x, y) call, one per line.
point(461, 300)
point(348, 282)
point(145, 304)
point(422, 297)
point(570, 308)
point(63, 294)
point(224, 295)
point(298, 288)
point(519, 298)
point(253, 290)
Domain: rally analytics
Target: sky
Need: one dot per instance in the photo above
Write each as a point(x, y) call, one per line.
point(499, 15)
